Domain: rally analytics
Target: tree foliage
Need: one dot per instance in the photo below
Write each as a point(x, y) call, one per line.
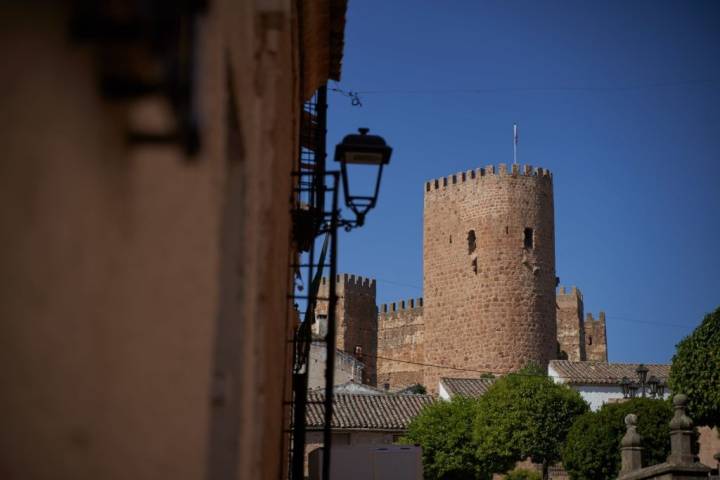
point(444, 431)
point(524, 415)
point(592, 449)
point(695, 371)
point(523, 474)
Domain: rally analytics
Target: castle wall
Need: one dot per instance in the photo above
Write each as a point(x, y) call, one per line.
point(489, 294)
point(596, 338)
point(356, 319)
point(400, 336)
point(570, 325)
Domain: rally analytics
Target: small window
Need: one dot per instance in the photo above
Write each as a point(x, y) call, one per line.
point(590, 340)
point(528, 240)
point(507, 230)
point(472, 244)
point(450, 238)
point(358, 351)
point(474, 266)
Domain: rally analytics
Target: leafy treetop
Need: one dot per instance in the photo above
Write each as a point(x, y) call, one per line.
point(695, 371)
point(592, 449)
point(444, 430)
point(524, 415)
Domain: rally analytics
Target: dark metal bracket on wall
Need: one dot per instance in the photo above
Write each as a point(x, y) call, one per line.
point(144, 48)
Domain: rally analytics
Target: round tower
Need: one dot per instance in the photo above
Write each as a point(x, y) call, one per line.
point(489, 272)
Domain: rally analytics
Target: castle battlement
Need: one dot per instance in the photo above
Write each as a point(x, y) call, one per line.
point(600, 319)
point(400, 306)
point(356, 282)
point(489, 171)
point(572, 291)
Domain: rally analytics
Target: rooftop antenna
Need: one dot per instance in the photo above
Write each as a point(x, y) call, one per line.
point(515, 142)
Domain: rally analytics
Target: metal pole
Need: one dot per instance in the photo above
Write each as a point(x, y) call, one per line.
point(300, 383)
point(298, 448)
point(330, 338)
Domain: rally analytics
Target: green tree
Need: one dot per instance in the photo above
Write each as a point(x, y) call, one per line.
point(524, 415)
point(444, 431)
point(695, 371)
point(523, 474)
point(592, 449)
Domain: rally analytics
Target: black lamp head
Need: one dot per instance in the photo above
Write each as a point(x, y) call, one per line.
point(361, 148)
point(364, 150)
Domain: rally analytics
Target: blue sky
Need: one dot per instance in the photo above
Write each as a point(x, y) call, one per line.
point(619, 99)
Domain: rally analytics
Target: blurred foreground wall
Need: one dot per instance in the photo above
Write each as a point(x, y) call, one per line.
point(143, 290)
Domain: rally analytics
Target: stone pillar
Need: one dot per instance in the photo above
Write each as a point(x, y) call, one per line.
point(681, 432)
point(630, 448)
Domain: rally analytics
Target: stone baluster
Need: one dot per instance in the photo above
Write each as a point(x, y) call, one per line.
point(630, 448)
point(681, 433)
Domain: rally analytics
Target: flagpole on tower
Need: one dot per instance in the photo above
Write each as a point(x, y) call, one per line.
point(515, 142)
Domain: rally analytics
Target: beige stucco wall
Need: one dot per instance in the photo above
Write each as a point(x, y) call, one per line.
point(709, 443)
point(119, 263)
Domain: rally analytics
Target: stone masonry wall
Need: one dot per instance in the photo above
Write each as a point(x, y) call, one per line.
point(570, 325)
point(357, 329)
point(596, 338)
point(400, 336)
point(489, 287)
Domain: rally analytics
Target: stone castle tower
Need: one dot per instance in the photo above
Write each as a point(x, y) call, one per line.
point(579, 339)
point(490, 301)
point(489, 271)
point(356, 320)
point(570, 325)
point(596, 338)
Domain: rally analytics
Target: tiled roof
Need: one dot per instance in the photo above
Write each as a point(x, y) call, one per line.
point(467, 387)
point(351, 387)
point(603, 373)
point(367, 412)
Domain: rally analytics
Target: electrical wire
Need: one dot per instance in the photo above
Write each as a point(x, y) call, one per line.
point(482, 372)
point(589, 88)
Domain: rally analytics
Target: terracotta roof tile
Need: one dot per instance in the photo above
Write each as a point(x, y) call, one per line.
point(603, 373)
point(367, 412)
point(467, 387)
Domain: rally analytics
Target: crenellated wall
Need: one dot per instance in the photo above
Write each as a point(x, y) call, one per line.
point(401, 337)
point(596, 338)
point(489, 287)
point(462, 177)
point(570, 325)
point(356, 319)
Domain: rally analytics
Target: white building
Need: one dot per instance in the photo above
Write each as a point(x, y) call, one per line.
point(347, 367)
point(599, 382)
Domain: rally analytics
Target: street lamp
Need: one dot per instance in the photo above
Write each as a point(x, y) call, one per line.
point(656, 388)
point(367, 151)
point(625, 384)
point(653, 384)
